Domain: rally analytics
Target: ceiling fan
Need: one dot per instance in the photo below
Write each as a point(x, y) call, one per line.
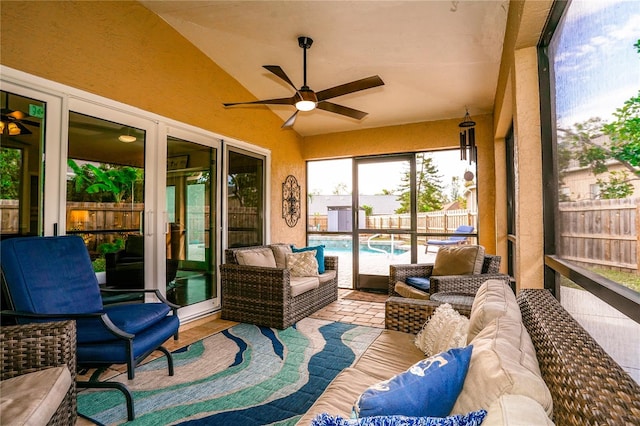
point(306, 99)
point(12, 123)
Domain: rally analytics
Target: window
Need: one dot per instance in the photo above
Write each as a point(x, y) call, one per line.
point(592, 234)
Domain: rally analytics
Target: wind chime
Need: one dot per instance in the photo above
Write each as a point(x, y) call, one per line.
point(468, 139)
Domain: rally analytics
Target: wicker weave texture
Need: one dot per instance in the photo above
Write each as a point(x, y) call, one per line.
point(262, 296)
point(410, 315)
point(588, 387)
point(452, 283)
point(38, 346)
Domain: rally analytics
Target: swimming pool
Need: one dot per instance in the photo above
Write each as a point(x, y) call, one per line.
point(344, 245)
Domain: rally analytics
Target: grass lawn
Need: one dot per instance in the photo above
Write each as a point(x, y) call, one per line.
point(626, 279)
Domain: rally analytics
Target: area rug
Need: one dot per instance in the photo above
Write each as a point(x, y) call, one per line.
point(364, 296)
point(246, 375)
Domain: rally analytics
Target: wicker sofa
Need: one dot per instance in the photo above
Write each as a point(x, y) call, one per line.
point(39, 360)
point(270, 296)
point(586, 387)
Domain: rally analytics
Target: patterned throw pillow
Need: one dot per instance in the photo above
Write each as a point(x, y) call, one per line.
point(474, 418)
point(319, 250)
point(429, 388)
point(303, 264)
point(446, 329)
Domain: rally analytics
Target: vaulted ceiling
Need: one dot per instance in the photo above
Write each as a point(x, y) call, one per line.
point(436, 58)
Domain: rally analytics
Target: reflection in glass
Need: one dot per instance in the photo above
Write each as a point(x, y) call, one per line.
point(191, 183)
point(105, 197)
point(245, 203)
point(21, 166)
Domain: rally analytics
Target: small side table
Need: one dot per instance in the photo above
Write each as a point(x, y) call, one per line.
point(454, 298)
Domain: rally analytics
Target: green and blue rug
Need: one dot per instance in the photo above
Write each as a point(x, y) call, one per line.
point(246, 375)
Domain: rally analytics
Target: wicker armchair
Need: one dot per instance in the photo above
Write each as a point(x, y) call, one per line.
point(468, 284)
point(38, 346)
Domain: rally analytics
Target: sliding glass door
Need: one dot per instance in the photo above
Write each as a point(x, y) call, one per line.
point(191, 216)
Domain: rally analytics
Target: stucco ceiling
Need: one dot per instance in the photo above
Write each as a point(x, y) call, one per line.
point(435, 57)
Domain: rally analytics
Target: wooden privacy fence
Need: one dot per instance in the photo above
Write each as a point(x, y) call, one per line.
point(441, 221)
point(602, 233)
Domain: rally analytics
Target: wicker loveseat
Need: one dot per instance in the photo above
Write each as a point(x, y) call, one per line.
point(38, 360)
point(270, 296)
point(585, 385)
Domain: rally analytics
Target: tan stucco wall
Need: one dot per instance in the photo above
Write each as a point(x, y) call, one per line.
point(517, 102)
point(122, 51)
point(415, 138)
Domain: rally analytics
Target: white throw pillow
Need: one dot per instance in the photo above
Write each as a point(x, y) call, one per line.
point(302, 264)
point(446, 329)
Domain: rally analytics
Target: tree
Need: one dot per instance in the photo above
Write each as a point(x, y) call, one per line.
point(340, 189)
point(10, 168)
point(428, 187)
point(116, 181)
point(621, 142)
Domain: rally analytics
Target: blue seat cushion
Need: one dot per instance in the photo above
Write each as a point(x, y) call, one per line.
point(131, 318)
point(115, 350)
point(421, 283)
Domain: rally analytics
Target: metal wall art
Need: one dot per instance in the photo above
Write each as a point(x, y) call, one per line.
point(291, 201)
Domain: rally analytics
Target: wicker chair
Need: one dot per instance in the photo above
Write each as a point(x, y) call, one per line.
point(34, 347)
point(468, 284)
point(262, 296)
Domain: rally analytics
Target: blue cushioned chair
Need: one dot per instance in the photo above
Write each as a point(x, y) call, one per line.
point(452, 241)
point(49, 278)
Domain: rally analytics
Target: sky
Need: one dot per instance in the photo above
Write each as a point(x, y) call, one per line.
point(596, 67)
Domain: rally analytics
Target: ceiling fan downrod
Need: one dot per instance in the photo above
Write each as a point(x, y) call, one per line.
point(305, 43)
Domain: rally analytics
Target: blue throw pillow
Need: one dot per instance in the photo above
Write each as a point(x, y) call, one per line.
point(474, 418)
point(420, 283)
point(319, 255)
point(429, 388)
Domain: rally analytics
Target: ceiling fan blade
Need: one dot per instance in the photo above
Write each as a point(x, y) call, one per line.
point(290, 121)
point(354, 86)
point(275, 69)
point(279, 101)
point(340, 109)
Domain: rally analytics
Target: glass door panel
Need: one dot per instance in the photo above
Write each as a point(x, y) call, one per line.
point(105, 197)
point(21, 165)
point(191, 217)
point(385, 199)
point(245, 199)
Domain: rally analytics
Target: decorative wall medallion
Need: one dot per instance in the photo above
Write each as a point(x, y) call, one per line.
point(291, 201)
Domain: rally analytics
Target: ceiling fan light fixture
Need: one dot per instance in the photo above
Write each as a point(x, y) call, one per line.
point(127, 138)
point(308, 100)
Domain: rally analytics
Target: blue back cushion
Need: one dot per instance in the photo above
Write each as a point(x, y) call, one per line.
point(50, 275)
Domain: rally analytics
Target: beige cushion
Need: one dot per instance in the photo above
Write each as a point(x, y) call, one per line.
point(280, 252)
point(33, 398)
point(459, 260)
point(405, 290)
point(256, 257)
point(445, 329)
point(391, 353)
point(494, 299)
point(328, 275)
point(303, 264)
point(503, 362)
point(340, 395)
point(516, 410)
point(301, 285)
